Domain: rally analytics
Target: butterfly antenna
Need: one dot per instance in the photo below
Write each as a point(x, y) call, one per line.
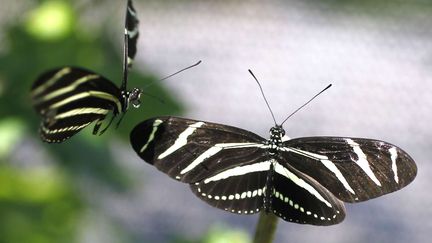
point(169, 76)
point(265, 99)
point(328, 86)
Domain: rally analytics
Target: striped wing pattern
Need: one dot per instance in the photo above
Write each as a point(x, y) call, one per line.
point(188, 150)
point(353, 169)
point(291, 195)
point(301, 199)
point(70, 98)
point(244, 195)
point(303, 180)
point(131, 33)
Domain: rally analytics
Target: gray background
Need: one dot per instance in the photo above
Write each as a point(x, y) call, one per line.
point(377, 56)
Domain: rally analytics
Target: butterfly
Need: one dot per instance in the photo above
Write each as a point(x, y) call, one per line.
point(70, 98)
point(304, 180)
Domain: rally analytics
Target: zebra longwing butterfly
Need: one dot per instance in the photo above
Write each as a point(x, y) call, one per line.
point(302, 180)
point(70, 98)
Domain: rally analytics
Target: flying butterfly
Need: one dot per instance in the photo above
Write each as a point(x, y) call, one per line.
point(70, 98)
point(303, 180)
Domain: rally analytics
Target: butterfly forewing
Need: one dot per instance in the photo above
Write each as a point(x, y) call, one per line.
point(70, 98)
point(190, 150)
point(131, 33)
point(353, 169)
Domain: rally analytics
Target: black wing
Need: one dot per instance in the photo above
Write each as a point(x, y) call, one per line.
point(299, 198)
point(190, 150)
point(353, 169)
point(194, 152)
point(241, 191)
point(130, 41)
point(69, 98)
point(291, 195)
point(228, 168)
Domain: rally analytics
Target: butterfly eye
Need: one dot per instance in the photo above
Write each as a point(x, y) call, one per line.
point(283, 132)
point(136, 103)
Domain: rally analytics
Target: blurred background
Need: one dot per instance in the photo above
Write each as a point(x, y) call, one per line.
point(377, 54)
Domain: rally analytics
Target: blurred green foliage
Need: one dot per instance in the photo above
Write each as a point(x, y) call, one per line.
point(43, 202)
point(37, 205)
point(47, 201)
point(219, 234)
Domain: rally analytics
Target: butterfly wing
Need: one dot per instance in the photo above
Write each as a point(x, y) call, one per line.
point(198, 152)
point(228, 168)
point(353, 169)
point(190, 150)
point(131, 35)
point(240, 189)
point(292, 195)
point(299, 198)
point(68, 99)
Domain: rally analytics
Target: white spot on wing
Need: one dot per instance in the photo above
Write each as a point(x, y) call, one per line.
point(64, 129)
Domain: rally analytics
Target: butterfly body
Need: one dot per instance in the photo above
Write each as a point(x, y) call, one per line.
point(302, 180)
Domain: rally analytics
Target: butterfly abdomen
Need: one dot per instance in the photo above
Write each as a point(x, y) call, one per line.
point(269, 188)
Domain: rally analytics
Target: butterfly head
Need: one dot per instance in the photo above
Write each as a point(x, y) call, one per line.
point(276, 133)
point(134, 96)
point(275, 141)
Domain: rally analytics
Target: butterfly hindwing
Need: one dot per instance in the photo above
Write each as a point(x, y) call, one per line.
point(237, 190)
point(69, 98)
point(190, 150)
point(296, 197)
point(353, 169)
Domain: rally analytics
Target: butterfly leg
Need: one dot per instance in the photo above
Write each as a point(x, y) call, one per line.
point(107, 126)
point(98, 125)
point(121, 118)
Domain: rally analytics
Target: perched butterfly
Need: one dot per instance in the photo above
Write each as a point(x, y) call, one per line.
point(302, 180)
point(70, 98)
